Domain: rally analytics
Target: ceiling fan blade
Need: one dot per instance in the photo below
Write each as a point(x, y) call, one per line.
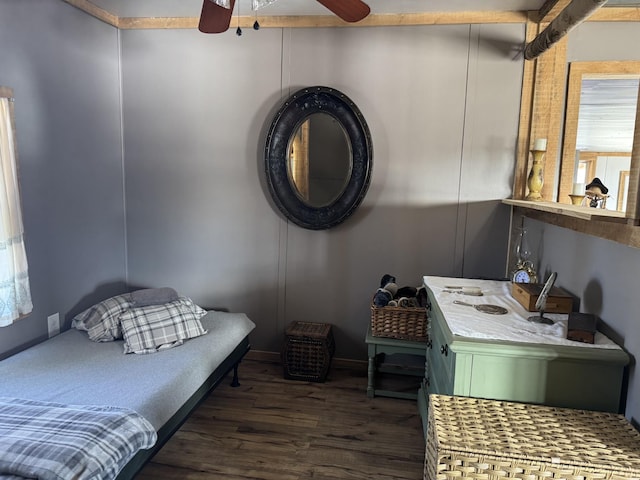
point(214, 18)
point(347, 10)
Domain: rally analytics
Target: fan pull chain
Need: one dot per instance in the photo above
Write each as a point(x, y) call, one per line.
point(238, 30)
point(256, 25)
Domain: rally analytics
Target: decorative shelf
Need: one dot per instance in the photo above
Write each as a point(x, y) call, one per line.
point(574, 211)
point(591, 221)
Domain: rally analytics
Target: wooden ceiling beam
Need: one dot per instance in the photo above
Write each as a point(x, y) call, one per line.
point(551, 9)
point(319, 21)
point(576, 12)
point(616, 14)
point(95, 11)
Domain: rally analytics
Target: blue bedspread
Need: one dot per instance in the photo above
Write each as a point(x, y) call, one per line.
point(47, 440)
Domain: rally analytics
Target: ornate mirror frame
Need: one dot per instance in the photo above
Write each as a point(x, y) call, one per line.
point(295, 110)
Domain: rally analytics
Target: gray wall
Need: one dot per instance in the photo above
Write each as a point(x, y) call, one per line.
point(199, 217)
point(64, 69)
point(602, 273)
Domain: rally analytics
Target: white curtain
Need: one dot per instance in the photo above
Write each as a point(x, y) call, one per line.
point(15, 294)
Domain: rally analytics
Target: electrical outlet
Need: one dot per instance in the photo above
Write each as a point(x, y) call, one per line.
point(53, 322)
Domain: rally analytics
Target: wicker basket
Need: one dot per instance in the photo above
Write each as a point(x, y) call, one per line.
point(404, 323)
point(488, 439)
point(307, 351)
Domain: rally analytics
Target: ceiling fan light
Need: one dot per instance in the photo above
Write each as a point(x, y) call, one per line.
point(258, 4)
point(223, 3)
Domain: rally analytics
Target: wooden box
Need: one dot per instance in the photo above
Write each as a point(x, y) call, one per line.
point(472, 438)
point(581, 327)
point(307, 351)
point(527, 294)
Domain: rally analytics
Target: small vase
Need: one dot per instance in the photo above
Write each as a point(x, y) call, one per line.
point(576, 199)
point(536, 176)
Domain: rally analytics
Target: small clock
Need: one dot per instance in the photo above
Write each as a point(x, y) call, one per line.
point(524, 273)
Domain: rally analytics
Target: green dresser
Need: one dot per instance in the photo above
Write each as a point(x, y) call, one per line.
point(484, 362)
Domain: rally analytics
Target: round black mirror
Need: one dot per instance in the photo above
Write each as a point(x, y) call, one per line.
point(318, 158)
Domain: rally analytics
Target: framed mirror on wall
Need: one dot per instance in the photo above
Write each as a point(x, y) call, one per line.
point(599, 131)
point(550, 108)
point(318, 158)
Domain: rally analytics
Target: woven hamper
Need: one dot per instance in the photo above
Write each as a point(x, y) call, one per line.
point(307, 351)
point(403, 323)
point(471, 438)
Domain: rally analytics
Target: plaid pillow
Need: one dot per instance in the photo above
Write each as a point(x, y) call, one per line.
point(157, 327)
point(101, 321)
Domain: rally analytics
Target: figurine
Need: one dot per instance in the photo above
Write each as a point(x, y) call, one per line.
point(596, 193)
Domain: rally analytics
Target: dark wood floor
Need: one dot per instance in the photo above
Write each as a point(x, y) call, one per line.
point(277, 429)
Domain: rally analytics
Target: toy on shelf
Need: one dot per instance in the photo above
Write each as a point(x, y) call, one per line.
point(596, 194)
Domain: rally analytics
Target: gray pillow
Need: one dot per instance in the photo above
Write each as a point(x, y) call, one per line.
point(153, 296)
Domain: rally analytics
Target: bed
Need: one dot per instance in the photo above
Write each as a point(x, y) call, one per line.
point(162, 387)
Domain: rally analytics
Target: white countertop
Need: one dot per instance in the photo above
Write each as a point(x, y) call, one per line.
point(513, 326)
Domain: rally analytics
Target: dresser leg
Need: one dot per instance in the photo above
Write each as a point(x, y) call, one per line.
point(371, 373)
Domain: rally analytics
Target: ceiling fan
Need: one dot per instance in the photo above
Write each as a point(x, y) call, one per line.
point(216, 14)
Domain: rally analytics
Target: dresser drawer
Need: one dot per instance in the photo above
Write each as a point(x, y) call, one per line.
point(441, 359)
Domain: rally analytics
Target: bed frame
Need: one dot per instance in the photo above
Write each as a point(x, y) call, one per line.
point(175, 422)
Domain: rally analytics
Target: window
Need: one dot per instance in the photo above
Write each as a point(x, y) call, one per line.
point(586, 170)
point(15, 293)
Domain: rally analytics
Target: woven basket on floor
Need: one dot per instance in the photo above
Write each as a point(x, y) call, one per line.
point(307, 351)
point(488, 439)
point(404, 323)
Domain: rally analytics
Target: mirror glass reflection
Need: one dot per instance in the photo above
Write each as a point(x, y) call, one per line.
point(605, 134)
point(319, 160)
point(602, 99)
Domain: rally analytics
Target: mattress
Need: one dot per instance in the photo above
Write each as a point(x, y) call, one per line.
point(71, 369)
